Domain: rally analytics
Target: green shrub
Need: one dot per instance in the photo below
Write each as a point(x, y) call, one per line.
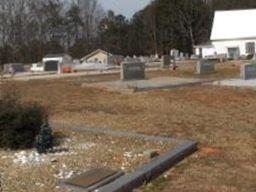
point(44, 140)
point(19, 123)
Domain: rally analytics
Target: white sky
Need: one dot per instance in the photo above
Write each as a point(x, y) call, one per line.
point(124, 7)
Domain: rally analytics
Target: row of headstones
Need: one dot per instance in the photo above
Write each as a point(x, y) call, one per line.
point(144, 59)
point(247, 71)
point(175, 54)
point(136, 70)
point(178, 55)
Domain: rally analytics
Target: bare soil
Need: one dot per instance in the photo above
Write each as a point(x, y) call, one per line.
point(76, 153)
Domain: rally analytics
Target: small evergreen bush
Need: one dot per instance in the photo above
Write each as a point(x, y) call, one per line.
point(19, 123)
point(44, 140)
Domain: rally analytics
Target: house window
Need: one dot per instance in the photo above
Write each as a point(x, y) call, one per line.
point(250, 48)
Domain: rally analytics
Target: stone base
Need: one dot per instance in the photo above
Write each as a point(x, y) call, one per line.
point(142, 85)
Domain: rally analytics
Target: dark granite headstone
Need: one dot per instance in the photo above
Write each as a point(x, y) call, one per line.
point(205, 66)
point(166, 61)
point(132, 71)
point(93, 179)
point(248, 71)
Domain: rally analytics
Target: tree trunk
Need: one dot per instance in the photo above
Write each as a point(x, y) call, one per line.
point(191, 35)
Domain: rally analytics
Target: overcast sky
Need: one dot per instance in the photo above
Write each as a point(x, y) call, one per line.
point(124, 7)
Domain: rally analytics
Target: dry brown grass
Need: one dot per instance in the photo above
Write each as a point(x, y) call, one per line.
point(228, 69)
point(221, 119)
point(77, 153)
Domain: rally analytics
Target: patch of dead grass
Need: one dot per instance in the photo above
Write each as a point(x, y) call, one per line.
point(221, 119)
point(82, 152)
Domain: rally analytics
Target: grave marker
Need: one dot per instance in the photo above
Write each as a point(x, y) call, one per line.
point(132, 71)
point(248, 71)
point(166, 61)
point(205, 66)
point(93, 179)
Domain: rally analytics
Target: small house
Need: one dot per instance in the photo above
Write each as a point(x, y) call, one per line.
point(102, 57)
point(99, 57)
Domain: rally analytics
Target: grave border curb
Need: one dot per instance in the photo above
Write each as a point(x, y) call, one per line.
point(147, 172)
point(152, 170)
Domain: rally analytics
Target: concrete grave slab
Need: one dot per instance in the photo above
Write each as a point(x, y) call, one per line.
point(142, 85)
point(147, 172)
point(152, 170)
point(237, 83)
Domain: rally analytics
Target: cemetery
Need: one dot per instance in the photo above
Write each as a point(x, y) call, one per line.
point(134, 77)
point(127, 96)
point(198, 113)
point(74, 156)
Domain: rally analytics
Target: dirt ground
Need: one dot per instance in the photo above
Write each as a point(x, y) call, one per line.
point(75, 153)
point(221, 119)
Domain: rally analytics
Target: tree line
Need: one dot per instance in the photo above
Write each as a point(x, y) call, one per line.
point(31, 29)
point(166, 24)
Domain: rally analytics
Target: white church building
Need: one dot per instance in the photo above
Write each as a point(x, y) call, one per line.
point(233, 35)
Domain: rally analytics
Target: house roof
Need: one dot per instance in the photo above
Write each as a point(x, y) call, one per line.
point(56, 55)
point(235, 24)
point(204, 45)
point(94, 53)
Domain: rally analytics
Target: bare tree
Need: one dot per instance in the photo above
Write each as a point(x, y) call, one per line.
point(33, 28)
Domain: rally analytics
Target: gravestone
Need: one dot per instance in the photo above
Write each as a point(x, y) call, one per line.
point(205, 66)
point(254, 57)
point(166, 61)
point(181, 56)
point(132, 71)
point(248, 71)
point(17, 67)
point(174, 53)
point(128, 59)
point(93, 179)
